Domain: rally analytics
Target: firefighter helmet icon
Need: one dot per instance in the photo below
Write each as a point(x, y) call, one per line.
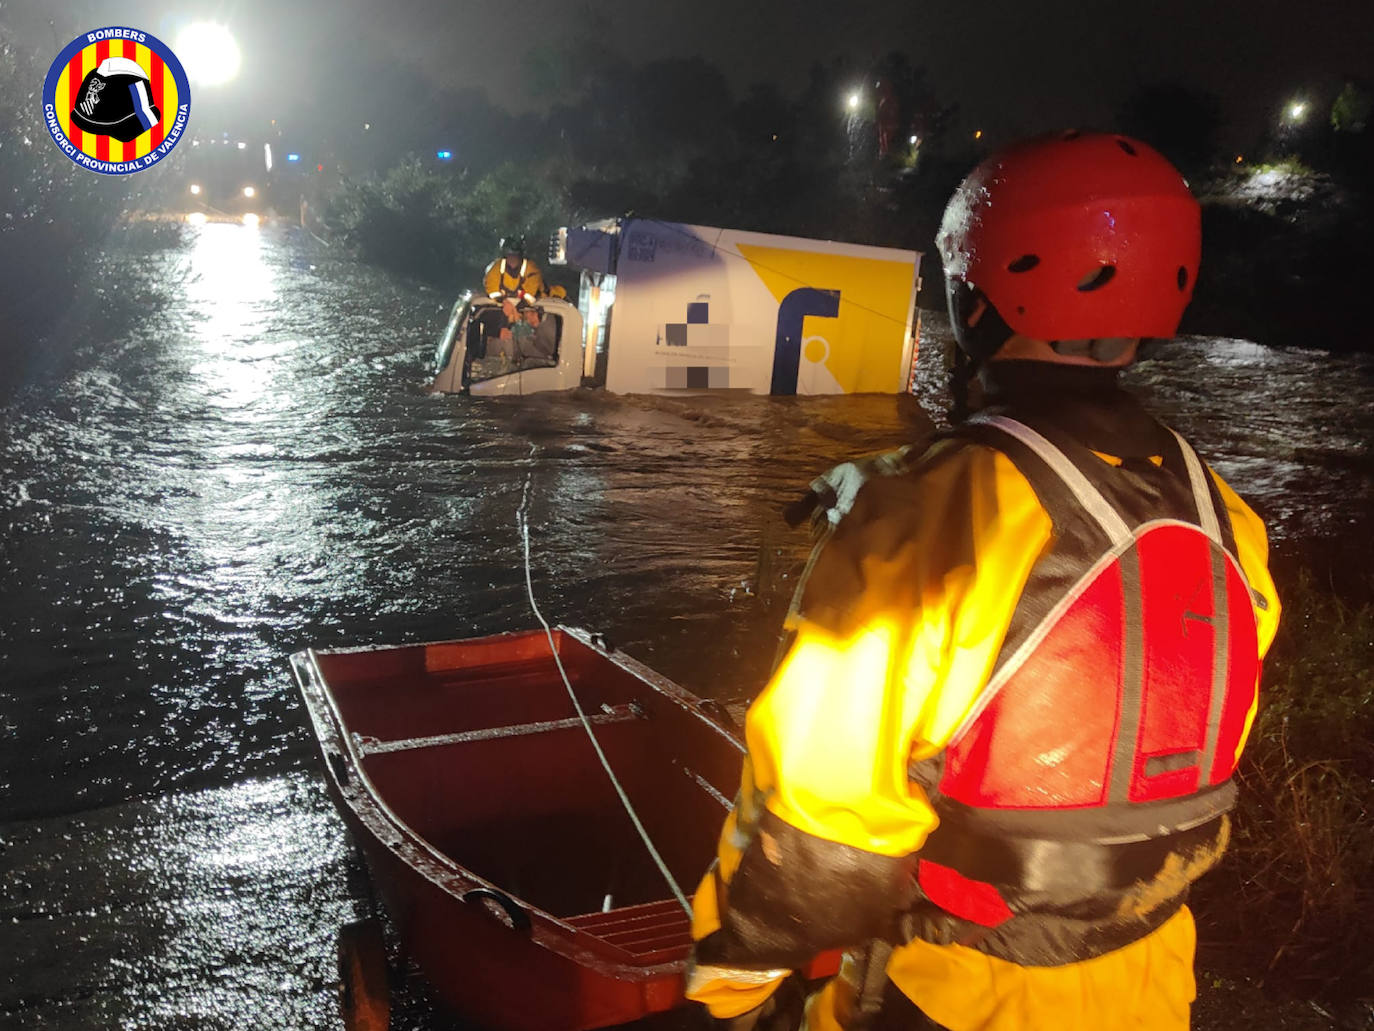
point(115, 99)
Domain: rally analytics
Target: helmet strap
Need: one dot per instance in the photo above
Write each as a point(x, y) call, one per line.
point(991, 331)
point(963, 373)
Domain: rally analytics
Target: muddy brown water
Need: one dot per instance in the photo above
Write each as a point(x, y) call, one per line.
point(227, 454)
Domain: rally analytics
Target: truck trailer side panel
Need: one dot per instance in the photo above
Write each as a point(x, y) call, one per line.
point(699, 308)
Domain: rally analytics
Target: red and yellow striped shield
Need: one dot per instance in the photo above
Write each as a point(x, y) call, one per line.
point(167, 85)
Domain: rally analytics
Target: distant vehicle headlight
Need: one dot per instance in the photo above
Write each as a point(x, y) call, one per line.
point(195, 189)
point(248, 191)
point(250, 219)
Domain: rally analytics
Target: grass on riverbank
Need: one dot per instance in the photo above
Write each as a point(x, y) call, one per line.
point(1292, 905)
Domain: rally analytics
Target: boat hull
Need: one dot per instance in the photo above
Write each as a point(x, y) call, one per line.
point(495, 837)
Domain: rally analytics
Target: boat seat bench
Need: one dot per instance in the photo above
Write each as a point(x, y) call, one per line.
point(368, 745)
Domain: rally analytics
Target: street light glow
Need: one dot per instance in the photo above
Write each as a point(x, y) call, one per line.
point(208, 52)
point(853, 101)
point(1297, 110)
point(195, 189)
point(248, 191)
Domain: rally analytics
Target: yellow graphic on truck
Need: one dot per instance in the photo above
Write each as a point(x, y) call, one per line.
point(842, 320)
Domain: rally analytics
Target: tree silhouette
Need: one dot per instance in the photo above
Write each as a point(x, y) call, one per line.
point(1179, 121)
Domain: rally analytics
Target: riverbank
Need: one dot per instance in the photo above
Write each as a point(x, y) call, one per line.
point(1286, 254)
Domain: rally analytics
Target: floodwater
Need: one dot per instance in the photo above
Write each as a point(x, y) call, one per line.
point(228, 454)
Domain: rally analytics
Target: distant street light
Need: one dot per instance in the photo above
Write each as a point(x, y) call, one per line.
point(248, 191)
point(1297, 111)
point(209, 53)
point(853, 101)
point(977, 134)
point(195, 189)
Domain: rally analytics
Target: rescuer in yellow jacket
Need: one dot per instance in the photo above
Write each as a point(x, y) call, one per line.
point(513, 275)
point(1026, 658)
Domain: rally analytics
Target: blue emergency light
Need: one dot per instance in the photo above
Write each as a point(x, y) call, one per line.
point(293, 157)
point(444, 155)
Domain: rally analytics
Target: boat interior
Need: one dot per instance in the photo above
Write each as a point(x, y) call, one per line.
point(477, 747)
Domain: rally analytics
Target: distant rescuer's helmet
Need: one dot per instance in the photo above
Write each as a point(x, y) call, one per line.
point(513, 245)
point(1074, 236)
point(116, 100)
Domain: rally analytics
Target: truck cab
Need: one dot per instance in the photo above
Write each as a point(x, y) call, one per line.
point(481, 352)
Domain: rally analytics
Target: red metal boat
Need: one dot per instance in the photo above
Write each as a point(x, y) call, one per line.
point(507, 861)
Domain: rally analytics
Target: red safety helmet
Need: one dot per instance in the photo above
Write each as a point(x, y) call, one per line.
point(1072, 236)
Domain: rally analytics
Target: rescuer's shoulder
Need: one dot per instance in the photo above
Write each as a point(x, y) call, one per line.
point(904, 530)
point(935, 484)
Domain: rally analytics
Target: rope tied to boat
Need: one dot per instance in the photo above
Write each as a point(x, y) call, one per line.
point(522, 519)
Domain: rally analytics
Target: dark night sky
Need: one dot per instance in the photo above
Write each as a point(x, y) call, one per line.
point(1012, 66)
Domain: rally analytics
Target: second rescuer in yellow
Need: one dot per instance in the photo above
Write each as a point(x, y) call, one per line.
point(1001, 745)
point(513, 275)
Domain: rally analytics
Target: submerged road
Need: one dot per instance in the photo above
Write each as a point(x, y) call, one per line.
point(231, 457)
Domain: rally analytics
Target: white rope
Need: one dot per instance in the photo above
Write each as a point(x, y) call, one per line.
point(522, 517)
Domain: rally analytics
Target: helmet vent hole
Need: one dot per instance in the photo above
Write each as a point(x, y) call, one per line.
point(1020, 309)
point(1126, 146)
point(1182, 278)
point(1097, 278)
point(1072, 134)
point(1024, 263)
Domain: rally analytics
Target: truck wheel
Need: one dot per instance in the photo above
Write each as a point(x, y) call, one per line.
point(364, 995)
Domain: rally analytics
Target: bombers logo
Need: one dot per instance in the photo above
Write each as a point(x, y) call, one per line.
point(116, 100)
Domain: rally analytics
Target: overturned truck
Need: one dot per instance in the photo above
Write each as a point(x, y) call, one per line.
point(665, 307)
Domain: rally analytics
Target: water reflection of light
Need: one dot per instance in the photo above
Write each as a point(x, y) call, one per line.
point(234, 291)
point(243, 886)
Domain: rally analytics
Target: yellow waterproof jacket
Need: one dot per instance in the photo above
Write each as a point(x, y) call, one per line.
point(526, 283)
point(902, 619)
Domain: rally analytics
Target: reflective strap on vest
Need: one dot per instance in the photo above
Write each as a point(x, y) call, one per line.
point(1202, 497)
point(520, 277)
point(1084, 492)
